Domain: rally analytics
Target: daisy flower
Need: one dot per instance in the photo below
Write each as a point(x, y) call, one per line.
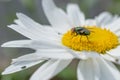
point(95, 42)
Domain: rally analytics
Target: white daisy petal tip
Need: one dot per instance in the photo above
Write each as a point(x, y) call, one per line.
point(16, 43)
point(73, 5)
point(17, 66)
point(76, 16)
point(19, 14)
point(16, 20)
point(5, 45)
point(13, 69)
point(90, 22)
point(12, 26)
point(105, 13)
point(7, 72)
point(60, 23)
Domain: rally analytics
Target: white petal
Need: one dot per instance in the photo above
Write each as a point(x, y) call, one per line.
point(109, 57)
point(114, 26)
point(57, 17)
point(85, 54)
point(27, 22)
point(31, 26)
point(22, 63)
point(117, 32)
point(104, 18)
point(112, 58)
point(54, 53)
point(33, 33)
point(43, 44)
point(82, 54)
point(23, 31)
point(108, 71)
point(76, 54)
point(76, 15)
point(115, 52)
point(90, 54)
point(50, 69)
point(88, 70)
point(28, 57)
point(90, 22)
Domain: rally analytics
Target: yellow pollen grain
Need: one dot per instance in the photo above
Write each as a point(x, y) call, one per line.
point(100, 40)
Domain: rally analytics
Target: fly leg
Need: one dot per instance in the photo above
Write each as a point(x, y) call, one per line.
point(87, 42)
point(80, 38)
point(87, 38)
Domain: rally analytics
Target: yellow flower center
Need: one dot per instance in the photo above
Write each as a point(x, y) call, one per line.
point(98, 40)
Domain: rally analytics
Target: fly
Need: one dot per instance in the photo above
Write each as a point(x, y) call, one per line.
point(81, 31)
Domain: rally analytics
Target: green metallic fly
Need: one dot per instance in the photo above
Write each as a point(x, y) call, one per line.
point(81, 31)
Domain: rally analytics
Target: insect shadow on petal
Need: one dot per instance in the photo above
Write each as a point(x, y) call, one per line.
point(23, 67)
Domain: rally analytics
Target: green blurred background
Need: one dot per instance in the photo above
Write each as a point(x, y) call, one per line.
point(33, 9)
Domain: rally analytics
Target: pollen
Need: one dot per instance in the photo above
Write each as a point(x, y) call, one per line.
point(99, 40)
